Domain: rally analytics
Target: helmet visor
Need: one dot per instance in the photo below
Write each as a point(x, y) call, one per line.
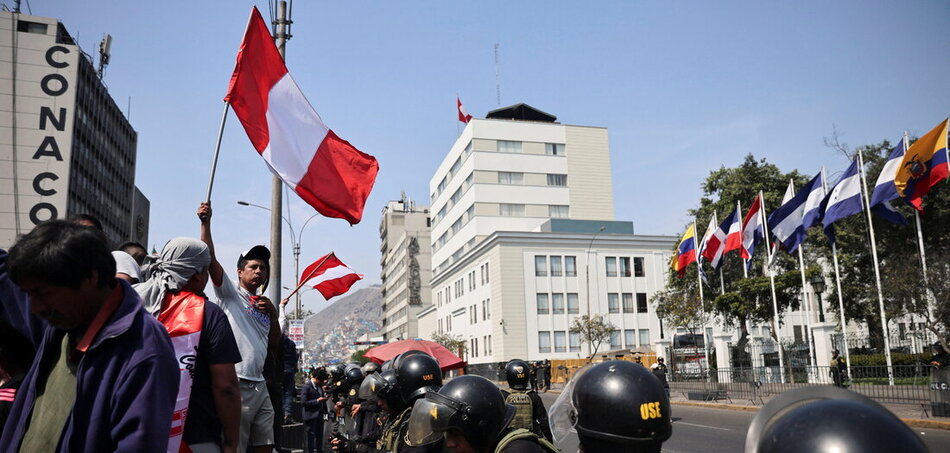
point(428, 422)
point(562, 417)
point(371, 387)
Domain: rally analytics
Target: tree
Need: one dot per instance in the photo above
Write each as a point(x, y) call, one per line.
point(454, 343)
point(357, 356)
point(681, 309)
point(593, 331)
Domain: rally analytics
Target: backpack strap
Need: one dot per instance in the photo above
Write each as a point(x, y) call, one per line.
point(523, 434)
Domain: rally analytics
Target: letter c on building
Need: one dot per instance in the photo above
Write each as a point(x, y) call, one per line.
point(39, 178)
point(49, 57)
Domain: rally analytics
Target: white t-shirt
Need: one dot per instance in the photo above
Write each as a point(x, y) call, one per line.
point(250, 327)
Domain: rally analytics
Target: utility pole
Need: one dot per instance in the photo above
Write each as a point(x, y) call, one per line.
point(277, 186)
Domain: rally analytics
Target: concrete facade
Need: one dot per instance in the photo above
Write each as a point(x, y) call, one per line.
point(66, 147)
point(406, 267)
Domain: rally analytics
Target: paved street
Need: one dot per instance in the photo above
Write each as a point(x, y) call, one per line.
point(700, 429)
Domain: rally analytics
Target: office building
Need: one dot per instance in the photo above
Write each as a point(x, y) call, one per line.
point(406, 267)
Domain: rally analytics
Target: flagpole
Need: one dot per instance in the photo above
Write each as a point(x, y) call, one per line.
point(745, 261)
point(877, 271)
point(923, 257)
point(699, 279)
point(768, 268)
point(308, 276)
point(217, 151)
point(807, 301)
point(841, 316)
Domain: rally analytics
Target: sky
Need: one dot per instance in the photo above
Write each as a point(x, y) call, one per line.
point(684, 88)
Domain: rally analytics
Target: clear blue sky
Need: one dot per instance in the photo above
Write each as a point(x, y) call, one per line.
point(684, 88)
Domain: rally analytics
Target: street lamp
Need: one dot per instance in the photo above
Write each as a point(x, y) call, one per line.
point(818, 284)
point(295, 240)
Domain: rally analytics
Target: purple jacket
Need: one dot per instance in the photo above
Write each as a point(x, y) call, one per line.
point(127, 381)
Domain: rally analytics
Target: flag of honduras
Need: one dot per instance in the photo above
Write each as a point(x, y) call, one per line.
point(844, 199)
point(789, 222)
point(885, 190)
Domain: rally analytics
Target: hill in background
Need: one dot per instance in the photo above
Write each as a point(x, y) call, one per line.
point(329, 334)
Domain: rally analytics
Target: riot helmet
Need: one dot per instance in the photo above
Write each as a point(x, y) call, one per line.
point(470, 404)
point(399, 357)
point(370, 368)
point(379, 385)
point(828, 419)
point(613, 387)
point(417, 374)
point(336, 372)
point(517, 373)
point(353, 375)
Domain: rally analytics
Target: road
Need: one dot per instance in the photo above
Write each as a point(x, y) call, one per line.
point(708, 430)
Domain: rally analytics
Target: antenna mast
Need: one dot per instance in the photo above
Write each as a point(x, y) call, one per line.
point(497, 75)
point(105, 47)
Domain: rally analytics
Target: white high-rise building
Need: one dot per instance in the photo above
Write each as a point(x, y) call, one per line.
point(406, 267)
point(524, 241)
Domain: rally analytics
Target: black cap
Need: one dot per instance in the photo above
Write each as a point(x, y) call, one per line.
point(258, 252)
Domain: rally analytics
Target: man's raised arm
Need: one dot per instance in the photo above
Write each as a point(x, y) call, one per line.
point(214, 269)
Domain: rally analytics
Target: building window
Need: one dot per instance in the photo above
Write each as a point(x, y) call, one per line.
point(487, 274)
point(797, 331)
point(557, 304)
point(611, 263)
point(641, 302)
point(575, 341)
point(554, 149)
point(615, 339)
point(627, 303)
point(638, 267)
point(485, 306)
point(443, 183)
point(456, 196)
point(613, 303)
point(557, 180)
point(544, 341)
point(644, 337)
point(555, 266)
point(456, 226)
point(511, 210)
point(440, 326)
point(560, 341)
point(625, 266)
point(630, 338)
point(475, 314)
point(572, 308)
point(570, 266)
point(456, 166)
point(506, 146)
point(543, 304)
point(540, 266)
point(508, 177)
point(489, 345)
point(558, 211)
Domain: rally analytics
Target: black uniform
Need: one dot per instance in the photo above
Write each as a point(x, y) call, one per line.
point(539, 414)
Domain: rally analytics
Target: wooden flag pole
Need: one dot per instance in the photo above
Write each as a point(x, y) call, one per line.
point(308, 276)
point(217, 150)
point(877, 271)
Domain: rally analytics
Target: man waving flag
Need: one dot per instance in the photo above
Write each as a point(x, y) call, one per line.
point(323, 169)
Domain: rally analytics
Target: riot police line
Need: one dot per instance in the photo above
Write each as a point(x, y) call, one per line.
point(614, 406)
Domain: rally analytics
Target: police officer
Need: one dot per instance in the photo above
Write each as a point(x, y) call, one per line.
point(827, 419)
point(470, 414)
point(530, 413)
point(613, 406)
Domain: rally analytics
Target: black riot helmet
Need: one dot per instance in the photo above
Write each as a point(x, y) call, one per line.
point(517, 372)
point(417, 374)
point(470, 404)
point(336, 372)
point(370, 368)
point(353, 375)
point(828, 419)
point(614, 387)
point(380, 385)
point(399, 358)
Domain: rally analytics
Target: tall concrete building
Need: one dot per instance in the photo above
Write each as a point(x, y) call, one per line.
point(65, 146)
point(406, 267)
point(524, 241)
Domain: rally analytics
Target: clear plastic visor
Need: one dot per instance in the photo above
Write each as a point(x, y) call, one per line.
point(371, 387)
point(562, 417)
point(428, 422)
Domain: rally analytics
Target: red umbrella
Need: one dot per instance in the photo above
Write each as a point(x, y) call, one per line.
point(447, 360)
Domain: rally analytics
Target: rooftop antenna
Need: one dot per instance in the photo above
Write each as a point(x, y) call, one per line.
point(497, 76)
point(105, 47)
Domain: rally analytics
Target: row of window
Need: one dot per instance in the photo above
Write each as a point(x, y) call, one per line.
point(473, 311)
point(473, 346)
point(563, 341)
point(555, 303)
point(541, 268)
point(509, 146)
point(517, 178)
point(629, 338)
point(457, 289)
point(613, 303)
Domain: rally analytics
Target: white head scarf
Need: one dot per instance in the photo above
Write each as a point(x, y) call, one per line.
point(181, 258)
point(125, 264)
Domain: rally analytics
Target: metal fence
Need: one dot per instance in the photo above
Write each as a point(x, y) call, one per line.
point(756, 385)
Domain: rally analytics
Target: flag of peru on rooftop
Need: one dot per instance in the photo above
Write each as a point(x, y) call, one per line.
point(924, 165)
point(324, 170)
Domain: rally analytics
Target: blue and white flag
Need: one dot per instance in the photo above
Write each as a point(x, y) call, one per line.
point(885, 190)
point(843, 200)
point(789, 222)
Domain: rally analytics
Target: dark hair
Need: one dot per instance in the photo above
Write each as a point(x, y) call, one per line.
point(131, 245)
point(63, 254)
point(76, 218)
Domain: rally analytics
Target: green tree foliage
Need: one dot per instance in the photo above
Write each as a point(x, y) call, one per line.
point(357, 356)
point(681, 309)
point(454, 343)
point(593, 330)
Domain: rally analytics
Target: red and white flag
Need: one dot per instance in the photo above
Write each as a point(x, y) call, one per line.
point(463, 115)
point(753, 230)
point(326, 171)
point(734, 233)
point(330, 276)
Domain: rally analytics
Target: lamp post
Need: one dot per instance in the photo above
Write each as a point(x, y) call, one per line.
point(818, 284)
point(587, 269)
point(295, 240)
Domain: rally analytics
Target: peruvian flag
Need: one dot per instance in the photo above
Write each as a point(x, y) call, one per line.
point(325, 170)
point(753, 231)
point(463, 115)
point(330, 276)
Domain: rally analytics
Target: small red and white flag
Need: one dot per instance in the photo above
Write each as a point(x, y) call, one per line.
point(753, 229)
point(734, 233)
point(324, 170)
point(329, 276)
point(463, 115)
